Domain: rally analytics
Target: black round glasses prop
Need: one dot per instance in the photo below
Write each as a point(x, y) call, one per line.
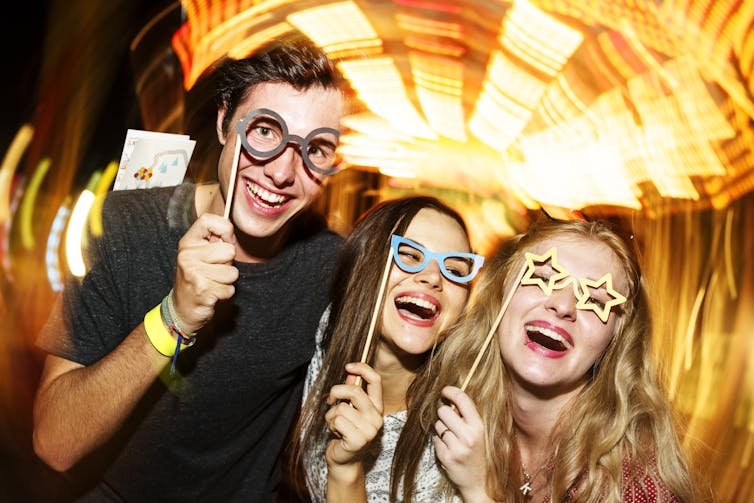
point(264, 134)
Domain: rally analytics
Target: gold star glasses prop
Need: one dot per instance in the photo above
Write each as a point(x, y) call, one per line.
point(549, 275)
point(545, 272)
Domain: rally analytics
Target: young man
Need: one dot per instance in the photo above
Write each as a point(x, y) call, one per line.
point(251, 287)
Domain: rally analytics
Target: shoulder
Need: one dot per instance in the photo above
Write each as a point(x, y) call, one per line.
point(128, 200)
point(643, 484)
point(173, 205)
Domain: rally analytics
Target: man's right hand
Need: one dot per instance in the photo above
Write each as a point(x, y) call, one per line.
point(204, 270)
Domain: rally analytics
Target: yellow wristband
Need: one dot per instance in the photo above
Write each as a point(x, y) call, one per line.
point(158, 334)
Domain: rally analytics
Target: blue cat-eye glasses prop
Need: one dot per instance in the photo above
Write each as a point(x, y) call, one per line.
point(458, 267)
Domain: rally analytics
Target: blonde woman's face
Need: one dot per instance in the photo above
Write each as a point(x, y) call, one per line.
point(550, 337)
point(418, 306)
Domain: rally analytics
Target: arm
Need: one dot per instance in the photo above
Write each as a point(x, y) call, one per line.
point(460, 445)
point(355, 419)
point(78, 408)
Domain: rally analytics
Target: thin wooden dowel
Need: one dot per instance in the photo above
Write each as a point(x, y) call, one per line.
point(377, 310)
point(494, 326)
point(233, 175)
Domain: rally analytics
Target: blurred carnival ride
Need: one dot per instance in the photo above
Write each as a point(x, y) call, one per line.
point(636, 111)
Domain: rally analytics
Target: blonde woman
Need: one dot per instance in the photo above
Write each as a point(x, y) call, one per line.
point(565, 404)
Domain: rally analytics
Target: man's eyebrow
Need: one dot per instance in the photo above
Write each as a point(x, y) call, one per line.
point(323, 140)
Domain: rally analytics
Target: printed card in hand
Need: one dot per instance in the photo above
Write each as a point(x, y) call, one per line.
point(152, 159)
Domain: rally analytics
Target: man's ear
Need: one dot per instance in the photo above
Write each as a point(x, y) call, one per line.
point(219, 125)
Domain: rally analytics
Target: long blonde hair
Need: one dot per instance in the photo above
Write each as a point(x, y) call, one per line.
point(620, 420)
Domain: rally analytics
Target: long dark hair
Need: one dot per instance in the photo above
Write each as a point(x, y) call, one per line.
point(356, 285)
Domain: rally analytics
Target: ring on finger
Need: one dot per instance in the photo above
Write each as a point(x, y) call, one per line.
point(444, 432)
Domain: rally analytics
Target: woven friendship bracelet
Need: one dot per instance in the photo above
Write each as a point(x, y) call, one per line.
point(173, 320)
point(182, 340)
point(155, 323)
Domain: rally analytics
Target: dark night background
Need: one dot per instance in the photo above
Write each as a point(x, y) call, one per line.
point(28, 24)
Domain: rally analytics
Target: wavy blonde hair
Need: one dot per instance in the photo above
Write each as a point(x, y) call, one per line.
point(620, 420)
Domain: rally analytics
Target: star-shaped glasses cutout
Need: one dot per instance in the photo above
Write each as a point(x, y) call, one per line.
point(551, 282)
point(587, 302)
point(557, 277)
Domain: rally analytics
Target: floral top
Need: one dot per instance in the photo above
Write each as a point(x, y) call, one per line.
point(379, 458)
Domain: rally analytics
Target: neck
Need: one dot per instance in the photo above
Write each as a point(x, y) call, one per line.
point(397, 371)
point(534, 420)
point(209, 199)
point(253, 249)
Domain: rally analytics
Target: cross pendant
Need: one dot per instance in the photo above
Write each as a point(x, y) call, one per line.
point(525, 489)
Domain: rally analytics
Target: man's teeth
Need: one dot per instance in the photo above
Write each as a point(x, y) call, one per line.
point(265, 195)
point(549, 333)
point(425, 304)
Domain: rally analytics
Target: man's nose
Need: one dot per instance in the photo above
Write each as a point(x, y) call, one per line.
point(282, 168)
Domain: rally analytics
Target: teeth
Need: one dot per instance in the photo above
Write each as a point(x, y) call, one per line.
point(265, 195)
point(548, 333)
point(405, 299)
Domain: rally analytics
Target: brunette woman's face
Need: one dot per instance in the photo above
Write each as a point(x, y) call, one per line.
point(550, 340)
point(418, 306)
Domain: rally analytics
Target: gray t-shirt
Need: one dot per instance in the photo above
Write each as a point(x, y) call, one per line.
point(212, 432)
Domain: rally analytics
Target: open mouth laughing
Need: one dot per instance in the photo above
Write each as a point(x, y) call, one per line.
point(416, 308)
point(547, 338)
point(265, 197)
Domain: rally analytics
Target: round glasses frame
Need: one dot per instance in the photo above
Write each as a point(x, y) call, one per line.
point(260, 155)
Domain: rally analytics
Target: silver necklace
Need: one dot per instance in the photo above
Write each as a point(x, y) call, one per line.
point(528, 478)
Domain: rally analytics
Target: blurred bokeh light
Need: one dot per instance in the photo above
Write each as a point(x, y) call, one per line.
point(636, 111)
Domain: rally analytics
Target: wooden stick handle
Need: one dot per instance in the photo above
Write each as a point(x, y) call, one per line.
point(377, 310)
point(494, 327)
point(233, 176)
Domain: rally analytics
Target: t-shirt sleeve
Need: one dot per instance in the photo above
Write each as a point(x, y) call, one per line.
point(129, 252)
point(87, 321)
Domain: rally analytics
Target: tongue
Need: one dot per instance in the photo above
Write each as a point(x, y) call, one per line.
point(547, 342)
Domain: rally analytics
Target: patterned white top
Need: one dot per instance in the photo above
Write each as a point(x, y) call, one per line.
point(379, 458)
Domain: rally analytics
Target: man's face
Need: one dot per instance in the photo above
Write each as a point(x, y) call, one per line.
point(268, 193)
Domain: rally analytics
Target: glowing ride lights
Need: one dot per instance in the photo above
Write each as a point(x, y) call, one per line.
point(75, 231)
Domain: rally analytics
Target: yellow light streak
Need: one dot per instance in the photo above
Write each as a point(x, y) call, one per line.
point(505, 104)
point(395, 172)
point(99, 190)
point(334, 23)
point(439, 87)
point(427, 26)
point(432, 47)
point(252, 42)
point(26, 210)
point(11, 159)
point(537, 38)
point(379, 85)
point(75, 231)
point(207, 43)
